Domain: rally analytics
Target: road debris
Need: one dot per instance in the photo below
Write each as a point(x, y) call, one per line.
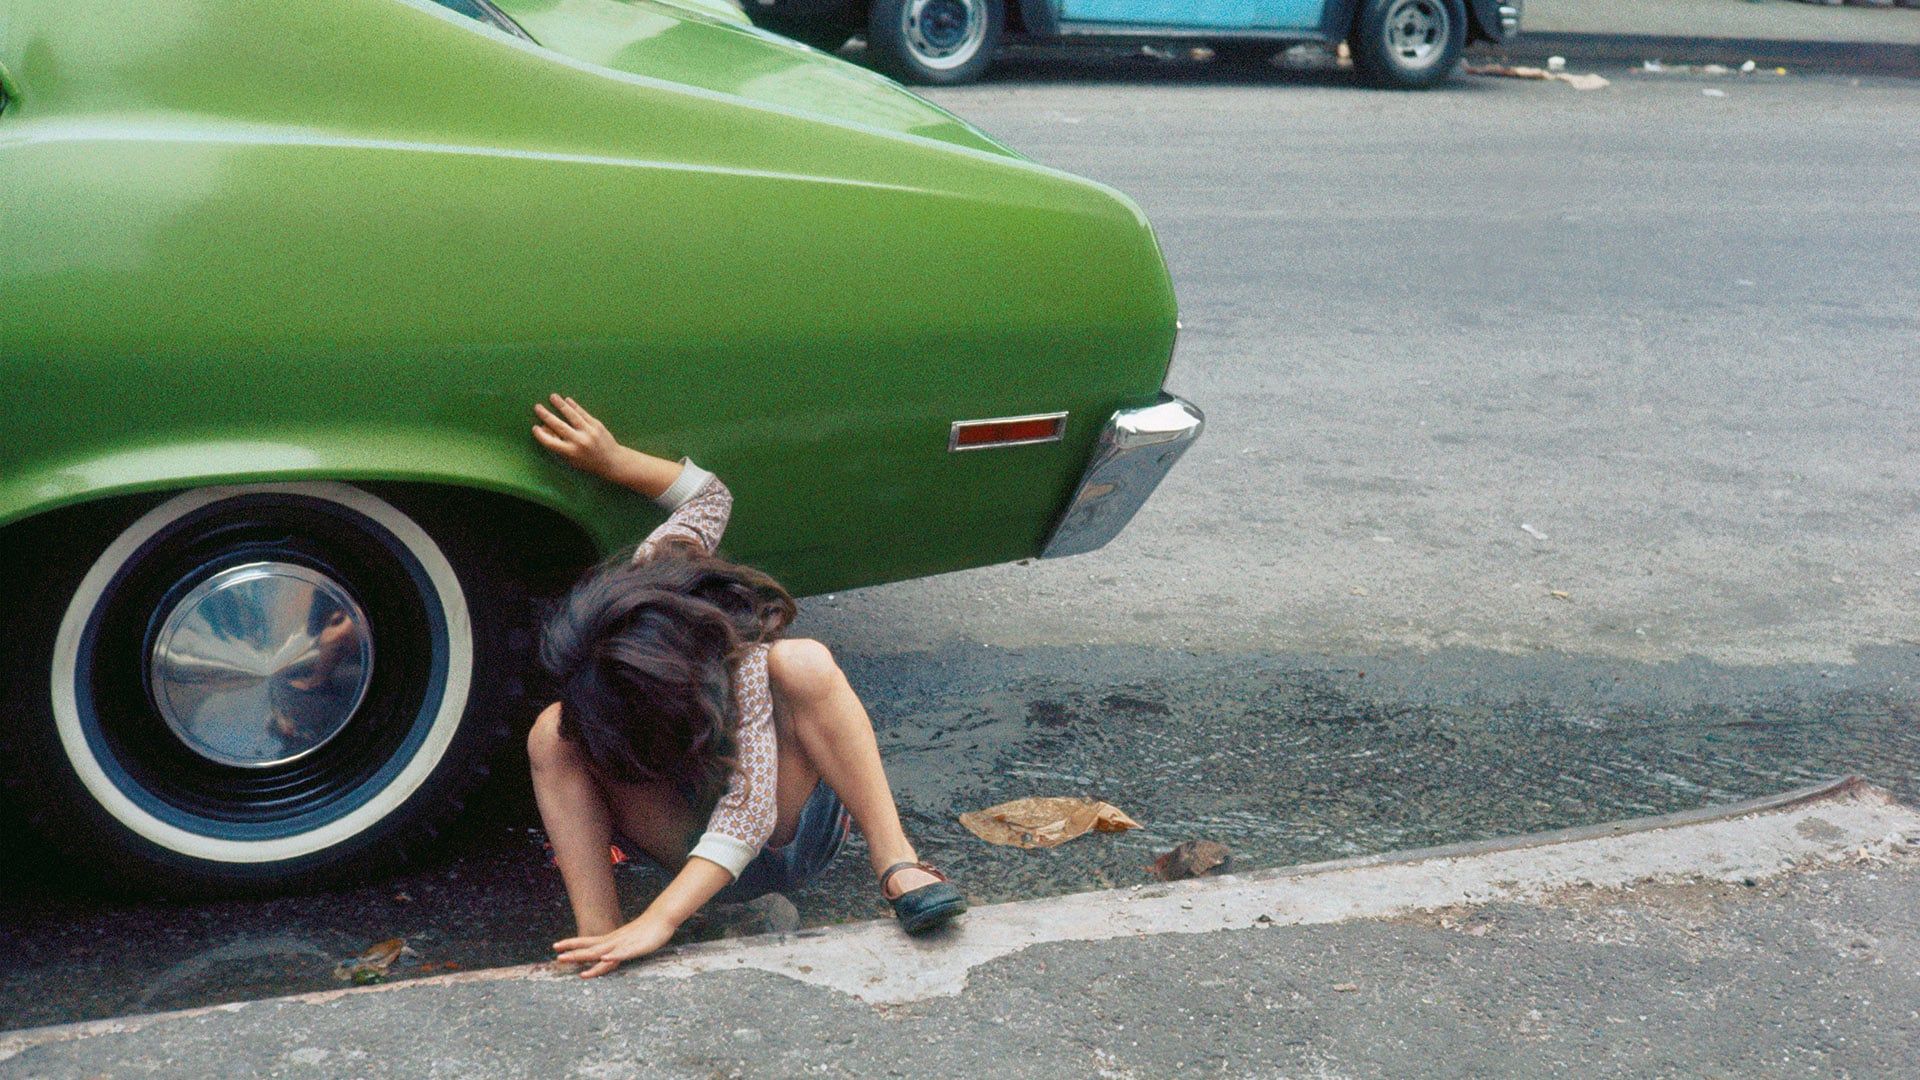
point(1584, 81)
point(615, 855)
point(1195, 858)
point(1044, 822)
point(1533, 532)
point(1656, 67)
point(769, 913)
point(371, 966)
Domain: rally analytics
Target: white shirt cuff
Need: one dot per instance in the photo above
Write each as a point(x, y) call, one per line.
point(729, 851)
point(692, 478)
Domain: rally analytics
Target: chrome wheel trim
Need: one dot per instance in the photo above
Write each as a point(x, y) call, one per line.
point(944, 34)
point(1417, 32)
point(442, 728)
point(261, 664)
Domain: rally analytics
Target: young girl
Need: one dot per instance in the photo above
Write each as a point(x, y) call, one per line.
point(681, 705)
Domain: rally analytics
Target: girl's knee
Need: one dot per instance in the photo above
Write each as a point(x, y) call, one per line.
point(546, 747)
point(804, 669)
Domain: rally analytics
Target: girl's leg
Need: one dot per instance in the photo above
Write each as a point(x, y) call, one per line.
point(580, 812)
point(825, 734)
point(578, 822)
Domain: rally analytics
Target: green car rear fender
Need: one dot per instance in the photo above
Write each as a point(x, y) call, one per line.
point(244, 242)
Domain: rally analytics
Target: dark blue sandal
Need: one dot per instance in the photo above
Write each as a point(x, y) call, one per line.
point(927, 906)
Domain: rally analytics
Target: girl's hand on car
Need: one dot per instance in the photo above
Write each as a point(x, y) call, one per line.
point(580, 440)
point(604, 952)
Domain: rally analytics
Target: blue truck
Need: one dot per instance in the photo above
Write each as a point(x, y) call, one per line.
point(1410, 44)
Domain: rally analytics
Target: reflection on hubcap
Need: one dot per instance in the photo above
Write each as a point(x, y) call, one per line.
point(945, 33)
point(1417, 31)
point(261, 664)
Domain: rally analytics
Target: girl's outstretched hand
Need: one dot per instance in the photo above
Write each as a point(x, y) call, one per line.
point(581, 441)
point(604, 952)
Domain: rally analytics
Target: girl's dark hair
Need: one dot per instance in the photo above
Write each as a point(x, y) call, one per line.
point(643, 655)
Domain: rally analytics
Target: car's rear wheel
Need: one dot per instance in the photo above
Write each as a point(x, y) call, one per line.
point(1408, 44)
point(254, 685)
point(934, 42)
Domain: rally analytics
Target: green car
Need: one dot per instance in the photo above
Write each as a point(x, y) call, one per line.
point(279, 282)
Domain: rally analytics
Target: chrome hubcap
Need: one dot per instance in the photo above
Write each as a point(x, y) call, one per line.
point(945, 33)
point(261, 664)
point(1417, 32)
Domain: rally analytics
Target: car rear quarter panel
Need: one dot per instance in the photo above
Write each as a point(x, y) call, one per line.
point(246, 241)
point(656, 39)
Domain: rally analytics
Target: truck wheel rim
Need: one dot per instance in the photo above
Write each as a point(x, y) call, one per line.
point(261, 664)
point(944, 34)
point(1417, 32)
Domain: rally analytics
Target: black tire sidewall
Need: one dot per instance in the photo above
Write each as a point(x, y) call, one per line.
point(888, 47)
point(1376, 64)
point(64, 809)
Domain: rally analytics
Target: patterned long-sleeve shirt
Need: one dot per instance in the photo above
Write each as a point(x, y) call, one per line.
point(699, 505)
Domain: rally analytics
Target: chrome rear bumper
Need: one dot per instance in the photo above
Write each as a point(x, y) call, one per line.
point(1135, 450)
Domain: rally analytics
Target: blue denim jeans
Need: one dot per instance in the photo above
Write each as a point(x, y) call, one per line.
point(816, 840)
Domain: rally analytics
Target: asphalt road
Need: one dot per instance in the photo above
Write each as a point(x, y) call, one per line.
point(1560, 468)
point(1462, 353)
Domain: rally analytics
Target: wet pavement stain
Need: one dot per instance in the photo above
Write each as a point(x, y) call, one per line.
point(1286, 759)
point(1290, 762)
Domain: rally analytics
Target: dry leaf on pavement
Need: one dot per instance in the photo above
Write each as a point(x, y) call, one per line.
point(1195, 858)
point(372, 965)
point(1044, 822)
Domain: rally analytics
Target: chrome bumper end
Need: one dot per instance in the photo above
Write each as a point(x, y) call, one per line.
point(1135, 450)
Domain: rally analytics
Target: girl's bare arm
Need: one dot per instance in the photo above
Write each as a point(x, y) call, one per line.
point(582, 441)
point(692, 887)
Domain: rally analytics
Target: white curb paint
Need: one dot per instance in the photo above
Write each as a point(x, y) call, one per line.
point(875, 962)
point(878, 964)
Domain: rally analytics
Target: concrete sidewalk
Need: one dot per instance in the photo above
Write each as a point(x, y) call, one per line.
point(1775, 938)
point(1834, 38)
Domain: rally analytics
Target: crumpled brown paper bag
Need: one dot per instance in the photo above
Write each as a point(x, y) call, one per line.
point(1044, 822)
